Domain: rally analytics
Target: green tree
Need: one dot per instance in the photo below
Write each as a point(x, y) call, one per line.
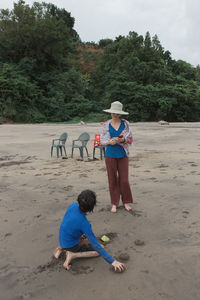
point(138, 72)
point(18, 96)
point(42, 32)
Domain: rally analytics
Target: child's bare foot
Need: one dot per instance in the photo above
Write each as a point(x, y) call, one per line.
point(57, 252)
point(69, 257)
point(114, 209)
point(127, 207)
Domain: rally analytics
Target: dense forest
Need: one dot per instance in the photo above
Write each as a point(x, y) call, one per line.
point(47, 74)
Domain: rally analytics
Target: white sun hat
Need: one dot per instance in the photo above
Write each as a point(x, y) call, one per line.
point(116, 108)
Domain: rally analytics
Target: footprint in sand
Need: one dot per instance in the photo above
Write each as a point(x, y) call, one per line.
point(37, 216)
point(163, 166)
point(49, 235)
point(135, 166)
point(24, 296)
point(135, 213)
point(123, 257)
point(147, 192)
point(173, 208)
point(22, 220)
point(153, 178)
point(102, 169)
point(77, 270)
point(87, 171)
point(7, 234)
point(107, 208)
point(145, 271)
point(83, 175)
point(68, 188)
point(139, 243)
point(185, 213)
point(52, 192)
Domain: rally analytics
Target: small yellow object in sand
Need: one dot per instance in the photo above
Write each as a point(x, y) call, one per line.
point(105, 238)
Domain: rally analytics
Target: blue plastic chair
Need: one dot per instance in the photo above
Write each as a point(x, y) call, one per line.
point(59, 144)
point(81, 143)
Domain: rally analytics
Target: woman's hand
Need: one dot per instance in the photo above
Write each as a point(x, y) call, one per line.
point(118, 266)
point(112, 142)
point(121, 139)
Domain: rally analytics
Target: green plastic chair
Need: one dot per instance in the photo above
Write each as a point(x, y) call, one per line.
point(102, 151)
point(81, 143)
point(59, 144)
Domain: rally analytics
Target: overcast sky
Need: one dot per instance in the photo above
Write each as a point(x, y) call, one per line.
point(176, 22)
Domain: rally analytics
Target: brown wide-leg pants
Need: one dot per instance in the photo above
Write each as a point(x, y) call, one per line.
point(117, 169)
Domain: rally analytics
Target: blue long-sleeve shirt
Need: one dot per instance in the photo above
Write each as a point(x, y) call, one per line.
point(73, 225)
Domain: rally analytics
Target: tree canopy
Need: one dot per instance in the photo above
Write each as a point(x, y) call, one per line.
point(137, 71)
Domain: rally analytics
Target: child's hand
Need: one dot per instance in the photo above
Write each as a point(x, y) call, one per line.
point(118, 266)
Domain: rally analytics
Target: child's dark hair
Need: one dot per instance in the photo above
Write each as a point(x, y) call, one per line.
point(87, 201)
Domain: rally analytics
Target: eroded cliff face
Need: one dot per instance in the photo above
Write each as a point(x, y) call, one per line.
point(89, 56)
point(90, 48)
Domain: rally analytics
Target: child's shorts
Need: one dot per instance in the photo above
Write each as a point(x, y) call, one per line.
point(80, 248)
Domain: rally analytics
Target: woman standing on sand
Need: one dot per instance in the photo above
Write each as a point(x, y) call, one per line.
point(116, 136)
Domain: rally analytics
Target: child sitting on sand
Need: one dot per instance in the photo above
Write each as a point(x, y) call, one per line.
point(73, 226)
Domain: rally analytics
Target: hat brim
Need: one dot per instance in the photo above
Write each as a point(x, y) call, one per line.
point(115, 112)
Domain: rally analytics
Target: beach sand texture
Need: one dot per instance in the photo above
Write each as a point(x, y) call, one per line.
point(159, 240)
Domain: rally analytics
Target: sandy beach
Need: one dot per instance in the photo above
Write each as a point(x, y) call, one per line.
point(159, 241)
